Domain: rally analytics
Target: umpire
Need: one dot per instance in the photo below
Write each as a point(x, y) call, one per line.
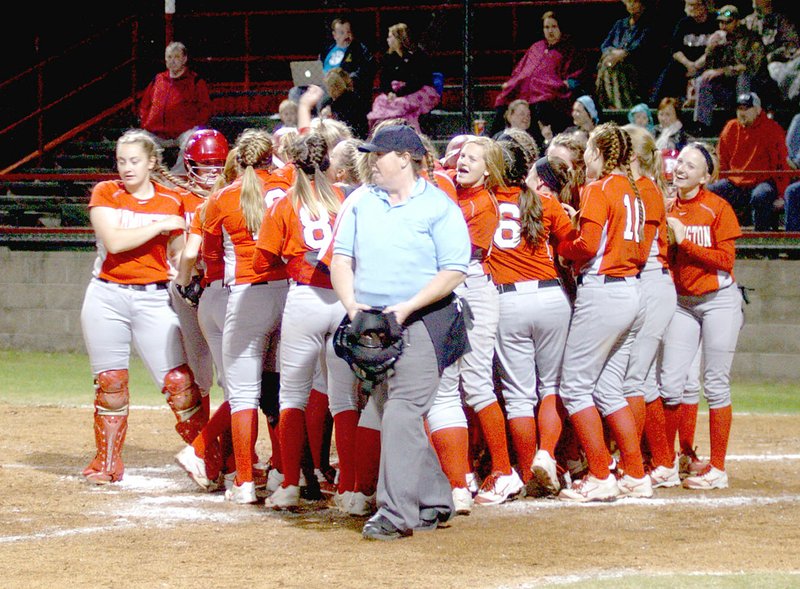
point(402, 244)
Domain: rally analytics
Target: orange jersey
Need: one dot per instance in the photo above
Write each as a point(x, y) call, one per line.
point(224, 220)
point(654, 246)
point(514, 259)
point(287, 172)
point(148, 262)
point(299, 239)
point(612, 247)
point(703, 262)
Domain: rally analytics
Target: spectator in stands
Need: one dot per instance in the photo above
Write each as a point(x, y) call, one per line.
point(584, 115)
point(345, 105)
point(517, 116)
point(287, 112)
point(669, 133)
point(348, 53)
point(406, 81)
point(176, 103)
point(752, 142)
point(793, 141)
point(640, 115)
point(548, 75)
point(791, 207)
point(778, 33)
point(735, 64)
point(625, 72)
point(688, 46)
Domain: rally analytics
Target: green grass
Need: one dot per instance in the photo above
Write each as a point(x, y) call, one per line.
point(63, 379)
point(66, 379)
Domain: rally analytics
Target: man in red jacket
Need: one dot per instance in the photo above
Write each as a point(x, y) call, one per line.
point(752, 142)
point(176, 103)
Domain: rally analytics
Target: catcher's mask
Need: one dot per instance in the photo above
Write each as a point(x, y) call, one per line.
point(371, 343)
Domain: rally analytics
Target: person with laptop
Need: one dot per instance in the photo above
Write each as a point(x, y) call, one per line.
point(348, 53)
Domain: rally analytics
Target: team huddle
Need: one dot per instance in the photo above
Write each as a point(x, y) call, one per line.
point(591, 297)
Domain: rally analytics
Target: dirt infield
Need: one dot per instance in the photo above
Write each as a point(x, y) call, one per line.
point(156, 530)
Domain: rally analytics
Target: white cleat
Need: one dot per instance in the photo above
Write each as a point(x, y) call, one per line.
point(362, 505)
point(498, 488)
point(462, 500)
point(545, 472)
point(243, 494)
point(664, 476)
point(590, 488)
point(196, 468)
point(712, 478)
point(635, 488)
point(284, 498)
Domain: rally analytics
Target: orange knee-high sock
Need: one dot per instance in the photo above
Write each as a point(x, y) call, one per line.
point(493, 426)
point(293, 438)
point(589, 429)
point(316, 414)
point(656, 436)
point(639, 410)
point(205, 403)
point(623, 428)
point(213, 429)
point(687, 425)
point(244, 431)
point(367, 459)
point(523, 436)
point(719, 423)
point(275, 441)
point(452, 448)
point(672, 417)
point(550, 417)
point(226, 443)
point(345, 425)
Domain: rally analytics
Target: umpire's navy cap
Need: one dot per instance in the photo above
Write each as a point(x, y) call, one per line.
point(395, 138)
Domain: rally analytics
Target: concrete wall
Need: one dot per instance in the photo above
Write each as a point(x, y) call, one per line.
point(41, 295)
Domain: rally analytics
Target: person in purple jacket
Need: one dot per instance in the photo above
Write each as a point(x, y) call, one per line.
point(550, 73)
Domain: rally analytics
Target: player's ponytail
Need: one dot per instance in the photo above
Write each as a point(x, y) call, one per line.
point(253, 150)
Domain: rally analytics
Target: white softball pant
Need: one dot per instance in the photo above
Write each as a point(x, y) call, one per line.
point(659, 299)
point(310, 319)
point(531, 335)
point(715, 320)
point(211, 318)
point(113, 317)
point(473, 371)
point(252, 318)
point(198, 354)
point(603, 325)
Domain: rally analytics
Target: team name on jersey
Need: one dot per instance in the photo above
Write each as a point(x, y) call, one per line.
point(699, 234)
point(131, 219)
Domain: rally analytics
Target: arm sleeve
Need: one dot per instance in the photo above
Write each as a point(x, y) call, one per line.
point(721, 257)
point(585, 245)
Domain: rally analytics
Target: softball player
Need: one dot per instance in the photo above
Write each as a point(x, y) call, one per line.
point(607, 312)
point(534, 309)
point(204, 159)
point(709, 309)
point(212, 451)
point(139, 225)
point(659, 297)
point(478, 172)
point(255, 299)
point(296, 229)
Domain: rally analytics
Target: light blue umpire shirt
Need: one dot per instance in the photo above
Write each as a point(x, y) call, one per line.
point(399, 248)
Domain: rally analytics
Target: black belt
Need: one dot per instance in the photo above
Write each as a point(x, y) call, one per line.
point(140, 287)
point(501, 288)
point(665, 271)
point(607, 279)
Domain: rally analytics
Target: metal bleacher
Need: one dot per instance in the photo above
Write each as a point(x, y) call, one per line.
point(55, 151)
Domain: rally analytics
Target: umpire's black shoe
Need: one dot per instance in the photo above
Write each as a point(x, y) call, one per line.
point(380, 528)
point(431, 517)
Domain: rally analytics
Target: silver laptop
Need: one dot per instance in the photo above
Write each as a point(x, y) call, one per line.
point(305, 73)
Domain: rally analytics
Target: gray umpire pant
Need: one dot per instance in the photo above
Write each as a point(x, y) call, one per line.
point(410, 477)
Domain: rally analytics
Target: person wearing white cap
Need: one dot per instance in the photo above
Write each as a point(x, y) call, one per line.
point(752, 141)
point(735, 63)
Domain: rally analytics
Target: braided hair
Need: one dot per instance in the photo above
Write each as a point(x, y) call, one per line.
point(312, 161)
point(648, 156)
point(253, 150)
point(616, 147)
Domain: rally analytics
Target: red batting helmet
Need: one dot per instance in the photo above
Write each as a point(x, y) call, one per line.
point(204, 156)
